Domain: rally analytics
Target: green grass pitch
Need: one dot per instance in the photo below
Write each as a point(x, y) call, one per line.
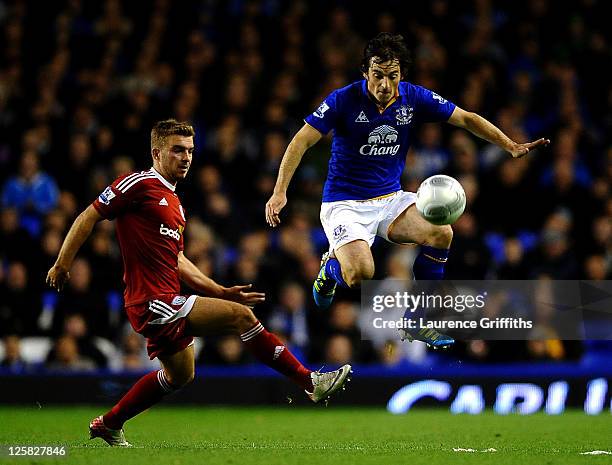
point(291, 435)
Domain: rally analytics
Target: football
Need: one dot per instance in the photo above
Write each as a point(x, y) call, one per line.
point(440, 199)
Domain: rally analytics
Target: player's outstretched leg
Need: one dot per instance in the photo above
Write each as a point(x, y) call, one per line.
point(211, 316)
point(269, 349)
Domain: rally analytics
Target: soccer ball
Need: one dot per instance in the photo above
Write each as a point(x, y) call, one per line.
point(440, 199)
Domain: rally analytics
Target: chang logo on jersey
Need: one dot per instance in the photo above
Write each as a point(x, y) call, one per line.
point(173, 233)
point(380, 140)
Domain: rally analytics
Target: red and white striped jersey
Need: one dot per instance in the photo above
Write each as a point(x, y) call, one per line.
point(150, 224)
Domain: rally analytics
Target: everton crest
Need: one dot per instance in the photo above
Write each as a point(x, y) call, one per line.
point(403, 114)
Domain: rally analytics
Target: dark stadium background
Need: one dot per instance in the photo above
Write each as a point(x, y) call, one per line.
point(82, 82)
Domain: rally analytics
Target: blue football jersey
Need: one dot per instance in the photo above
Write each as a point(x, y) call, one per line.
point(369, 149)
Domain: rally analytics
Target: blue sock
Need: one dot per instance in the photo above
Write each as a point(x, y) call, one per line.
point(332, 268)
point(429, 264)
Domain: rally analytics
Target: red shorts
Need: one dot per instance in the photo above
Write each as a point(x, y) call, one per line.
point(162, 321)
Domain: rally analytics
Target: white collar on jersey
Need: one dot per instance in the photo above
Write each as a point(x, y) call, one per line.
point(163, 180)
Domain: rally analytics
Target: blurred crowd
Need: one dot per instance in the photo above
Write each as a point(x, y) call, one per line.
point(82, 82)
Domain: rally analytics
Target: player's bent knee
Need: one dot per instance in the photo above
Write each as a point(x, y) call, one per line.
point(447, 234)
point(354, 276)
point(442, 236)
point(179, 380)
point(244, 317)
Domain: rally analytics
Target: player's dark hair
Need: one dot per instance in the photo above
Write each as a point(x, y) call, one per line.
point(386, 47)
point(169, 127)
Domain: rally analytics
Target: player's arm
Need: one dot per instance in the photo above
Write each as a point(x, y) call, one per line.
point(198, 281)
point(486, 130)
point(305, 138)
point(77, 235)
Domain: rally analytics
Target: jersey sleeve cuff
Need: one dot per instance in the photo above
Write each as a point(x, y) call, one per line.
point(98, 208)
point(451, 107)
point(323, 132)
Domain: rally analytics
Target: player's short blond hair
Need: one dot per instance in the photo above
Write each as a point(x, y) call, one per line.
point(170, 127)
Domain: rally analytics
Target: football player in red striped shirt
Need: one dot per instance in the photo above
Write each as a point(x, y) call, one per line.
point(150, 222)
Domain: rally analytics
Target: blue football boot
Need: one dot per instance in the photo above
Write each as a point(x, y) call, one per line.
point(429, 336)
point(324, 287)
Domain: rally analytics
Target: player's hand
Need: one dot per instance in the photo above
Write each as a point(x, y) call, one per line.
point(523, 149)
point(274, 207)
point(57, 277)
point(242, 295)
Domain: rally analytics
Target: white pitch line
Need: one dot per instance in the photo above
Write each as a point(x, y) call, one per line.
point(461, 449)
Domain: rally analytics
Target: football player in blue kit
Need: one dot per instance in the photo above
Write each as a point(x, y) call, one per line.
point(374, 122)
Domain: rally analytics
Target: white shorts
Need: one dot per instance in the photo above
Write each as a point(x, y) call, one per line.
point(345, 221)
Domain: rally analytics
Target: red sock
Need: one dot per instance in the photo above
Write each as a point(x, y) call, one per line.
point(270, 350)
point(147, 391)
